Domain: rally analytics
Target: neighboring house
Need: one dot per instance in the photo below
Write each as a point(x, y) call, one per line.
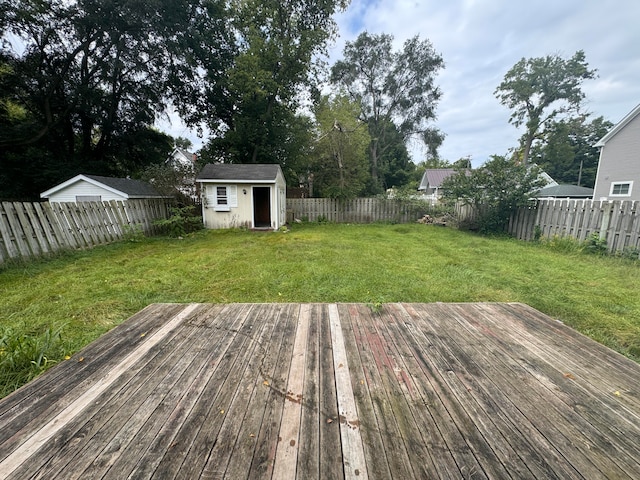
point(243, 195)
point(432, 182)
point(181, 157)
point(183, 162)
point(618, 176)
point(564, 191)
point(94, 188)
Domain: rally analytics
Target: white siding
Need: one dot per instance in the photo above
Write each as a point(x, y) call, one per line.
point(83, 188)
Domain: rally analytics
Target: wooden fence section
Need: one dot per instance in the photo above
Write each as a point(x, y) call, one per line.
point(618, 222)
point(357, 210)
point(34, 229)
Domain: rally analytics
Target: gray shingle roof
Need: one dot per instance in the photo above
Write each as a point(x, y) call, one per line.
point(239, 171)
point(133, 188)
point(565, 191)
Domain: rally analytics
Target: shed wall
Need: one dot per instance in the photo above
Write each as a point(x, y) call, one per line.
point(82, 188)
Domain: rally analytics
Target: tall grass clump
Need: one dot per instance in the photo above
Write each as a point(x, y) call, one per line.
point(25, 354)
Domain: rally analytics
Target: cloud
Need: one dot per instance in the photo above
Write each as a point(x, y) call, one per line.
point(480, 40)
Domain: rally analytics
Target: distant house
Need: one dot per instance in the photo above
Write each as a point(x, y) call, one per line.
point(183, 162)
point(564, 191)
point(94, 188)
point(618, 176)
point(243, 195)
point(432, 182)
point(181, 157)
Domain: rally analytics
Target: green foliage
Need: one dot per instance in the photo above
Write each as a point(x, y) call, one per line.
point(397, 94)
point(567, 152)
point(278, 45)
point(339, 159)
point(538, 90)
point(25, 353)
point(133, 233)
point(496, 189)
point(595, 244)
point(181, 221)
point(92, 77)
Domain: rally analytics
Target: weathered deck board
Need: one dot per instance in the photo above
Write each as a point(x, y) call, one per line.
point(329, 391)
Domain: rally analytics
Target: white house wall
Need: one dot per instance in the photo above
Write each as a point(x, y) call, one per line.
point(81, 189)
point(620, 162)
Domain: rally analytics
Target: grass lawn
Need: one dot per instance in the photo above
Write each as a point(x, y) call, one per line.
point(51, 308)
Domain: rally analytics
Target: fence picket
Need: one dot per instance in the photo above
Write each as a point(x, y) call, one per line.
point(28, 229)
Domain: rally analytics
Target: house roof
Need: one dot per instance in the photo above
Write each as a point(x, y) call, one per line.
point(126, 187)
point(433, 177)
point(619, 126)
point(185, 154)
point(251, 172)
point(564, 191)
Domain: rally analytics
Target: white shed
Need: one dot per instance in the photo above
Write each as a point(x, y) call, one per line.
point(243, 195)
point(94, 188)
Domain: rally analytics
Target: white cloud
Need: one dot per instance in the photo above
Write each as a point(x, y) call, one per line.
point(481, 39)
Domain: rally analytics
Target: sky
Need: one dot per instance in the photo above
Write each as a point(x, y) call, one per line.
point(480, 40)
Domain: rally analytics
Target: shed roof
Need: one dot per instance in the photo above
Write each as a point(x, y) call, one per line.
point(565, 191)
point(240, 172)
point(127, 187)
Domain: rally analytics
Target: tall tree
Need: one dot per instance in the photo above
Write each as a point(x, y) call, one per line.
point(396, 91)
point(278, 43)
point(539, 90)
point(567, 152)
point(339, 165)
point(92, 75)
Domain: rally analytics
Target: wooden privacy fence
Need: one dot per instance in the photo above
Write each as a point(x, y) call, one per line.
point(33, 229)
point(357, 210)
point(618, 222)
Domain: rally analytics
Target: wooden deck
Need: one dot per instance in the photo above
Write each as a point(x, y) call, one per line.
point(330, 391)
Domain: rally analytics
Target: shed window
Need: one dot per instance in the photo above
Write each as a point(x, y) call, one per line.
point(621, 189)
point(222, 198)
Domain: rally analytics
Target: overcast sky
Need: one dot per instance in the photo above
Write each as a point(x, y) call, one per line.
point(480, 40)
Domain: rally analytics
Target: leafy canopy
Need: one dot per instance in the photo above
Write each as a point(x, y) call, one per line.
point(539, 90)
point(396, 92)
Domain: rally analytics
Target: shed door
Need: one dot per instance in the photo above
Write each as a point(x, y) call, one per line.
point(261, 207)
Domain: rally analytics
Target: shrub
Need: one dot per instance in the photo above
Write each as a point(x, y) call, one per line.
point(595, 244)
point(182, 220)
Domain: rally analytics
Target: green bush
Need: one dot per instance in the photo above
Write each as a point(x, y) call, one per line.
point(596, 245)
point(182, 220)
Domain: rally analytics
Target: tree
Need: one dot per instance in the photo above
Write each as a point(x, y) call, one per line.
point(496, 189)
point(396, 91)
point(339, 168)
point(539, 90)
point(90, 76)
point(278, 42)
point(567, 153)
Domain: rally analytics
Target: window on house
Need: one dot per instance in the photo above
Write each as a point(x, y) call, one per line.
point(621, 189)
point(88, 198)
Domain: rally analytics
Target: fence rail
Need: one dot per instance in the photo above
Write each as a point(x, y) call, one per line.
point(357, 210)
point(34, 229)
point(618, 222)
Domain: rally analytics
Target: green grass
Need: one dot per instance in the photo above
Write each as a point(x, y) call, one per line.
point(63, 303)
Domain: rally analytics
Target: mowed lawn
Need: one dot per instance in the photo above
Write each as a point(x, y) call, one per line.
point(84, 294)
